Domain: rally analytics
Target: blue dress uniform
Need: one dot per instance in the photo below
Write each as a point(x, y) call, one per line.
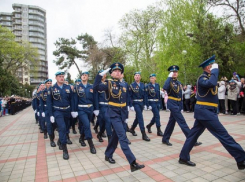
point(153, 99)
point(84, 105)
point(101, 104)
point(34, 106)
point(138, 101)
point(118, 113)
point(175, 103)
point(44, 108)
point(206, 117)
point(42, 99)
point(37, 105)
point(60, 104)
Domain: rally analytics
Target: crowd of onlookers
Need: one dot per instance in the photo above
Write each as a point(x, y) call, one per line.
point(12, 104)
point(230, 95)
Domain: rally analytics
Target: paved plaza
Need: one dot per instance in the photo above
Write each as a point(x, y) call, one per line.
point(26, 156)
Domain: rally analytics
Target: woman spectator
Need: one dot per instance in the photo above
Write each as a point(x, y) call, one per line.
point(187, 94)
point(221, 96)
point(233, 92)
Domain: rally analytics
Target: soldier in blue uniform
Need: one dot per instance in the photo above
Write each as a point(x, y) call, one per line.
point(44, 110)
point(175, 104)
point(137, 104)
point(153, 103)
point(206, 117)
point(117, 111)
point(34, 100)
point(101, 106)
point(84, 105)
point(37, 105)
point(60, 108)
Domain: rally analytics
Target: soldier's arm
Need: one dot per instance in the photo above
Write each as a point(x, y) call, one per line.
point(211, 82)
point(166, 85)
point(96, 100)
point(75, 98)
point(41, 103)
point(72, 100)
point(50, 102)
point(98, 85)
point(146, 95)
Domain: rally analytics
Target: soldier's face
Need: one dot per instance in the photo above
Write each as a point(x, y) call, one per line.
point(116, 74)
point(175, 74)
point(48, 84)
point(84, 77)
point(153, 79)
point(60, 79)
point(137, 77)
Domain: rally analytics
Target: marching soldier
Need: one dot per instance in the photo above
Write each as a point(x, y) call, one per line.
point(84, 106)
point(34, 106)
point(153, 103)
point(137, 104)
point(45, 114)
point(117, 111)
point(40, 119)
point(206, 117)
point(101, 108)
point(174, 89)
point(60, 104)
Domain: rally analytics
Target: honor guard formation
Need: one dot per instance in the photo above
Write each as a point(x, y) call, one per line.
point(62, 106)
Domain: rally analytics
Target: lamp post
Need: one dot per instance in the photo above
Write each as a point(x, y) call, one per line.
point(184, 52)
point(29, 93)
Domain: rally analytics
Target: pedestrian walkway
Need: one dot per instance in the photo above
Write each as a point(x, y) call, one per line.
point(26, 156)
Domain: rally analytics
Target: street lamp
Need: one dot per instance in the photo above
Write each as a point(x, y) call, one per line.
point(184, 52)
point(29, 93)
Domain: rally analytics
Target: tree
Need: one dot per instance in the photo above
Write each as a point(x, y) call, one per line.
point(69, 78)
point(66, 53)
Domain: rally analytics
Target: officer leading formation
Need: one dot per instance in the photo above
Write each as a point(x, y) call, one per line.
point(60, 106)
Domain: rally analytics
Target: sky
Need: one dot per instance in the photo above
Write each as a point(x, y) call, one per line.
point(70, 18)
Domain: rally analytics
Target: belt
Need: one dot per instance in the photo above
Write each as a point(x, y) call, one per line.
point(138, 100)
point(207, 103)
point(155, 100)
point(104, 103)
point(174, 98)
point(88, 105)
point(61, 107)
point(117, 104)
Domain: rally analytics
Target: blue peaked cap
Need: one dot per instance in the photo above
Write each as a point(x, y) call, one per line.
point(152, 75)
point(48, 80)
point(138, 72)
point(173, 68)
point(207, 62)
point(116, 66)
point(59, 73)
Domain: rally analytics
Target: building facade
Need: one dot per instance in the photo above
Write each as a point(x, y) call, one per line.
point(28, 23)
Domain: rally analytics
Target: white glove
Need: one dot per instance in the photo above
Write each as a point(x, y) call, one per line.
point(104, 72)
point(182, 111)
point(128, 108)
point(37, 113)
point(145, 108)
point(170, 74)
point(74, 114)
point(96, 112)
point(150, 108)
point(132, 108)
point(126, 121)
point(43, 114)
point(52, 119)
point(214, 66)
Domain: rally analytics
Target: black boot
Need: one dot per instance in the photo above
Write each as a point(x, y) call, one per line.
point(127, 127)
point(96, 128)
point(74, 130)
point(45, 134)
point(91, 145)
point(100, 137)
point(241, 165)
point(69, 142)
point(145, 137)
point(149, 127)
point(59, 144)
point(109, 139)
point(41, 131)
point(52, 143)
point(134, 166)
point(103, 135)
point(159, 132)
point(65, 152)
point(131, 130)
point(81, 140)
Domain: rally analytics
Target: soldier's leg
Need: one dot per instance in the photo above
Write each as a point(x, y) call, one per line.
point(169, 128)
point(59, 119)
point(181, 121)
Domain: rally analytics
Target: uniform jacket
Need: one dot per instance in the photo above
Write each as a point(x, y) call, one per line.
point(137, 92)
point(152, 92)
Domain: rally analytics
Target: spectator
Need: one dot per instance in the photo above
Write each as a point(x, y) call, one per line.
point(233, 92)
point(187, 94)
point(221, 96)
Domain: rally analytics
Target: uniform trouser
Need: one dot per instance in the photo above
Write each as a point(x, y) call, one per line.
point(156, 115)
point(218, 130)
point(50, 126)
point(119, 134)
point(62, 119)
point(139, 116)
point(175, 115)
point(36, 117)
point(73, 122)
point(104, 121)
point(84, 117)
point(42, 122)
